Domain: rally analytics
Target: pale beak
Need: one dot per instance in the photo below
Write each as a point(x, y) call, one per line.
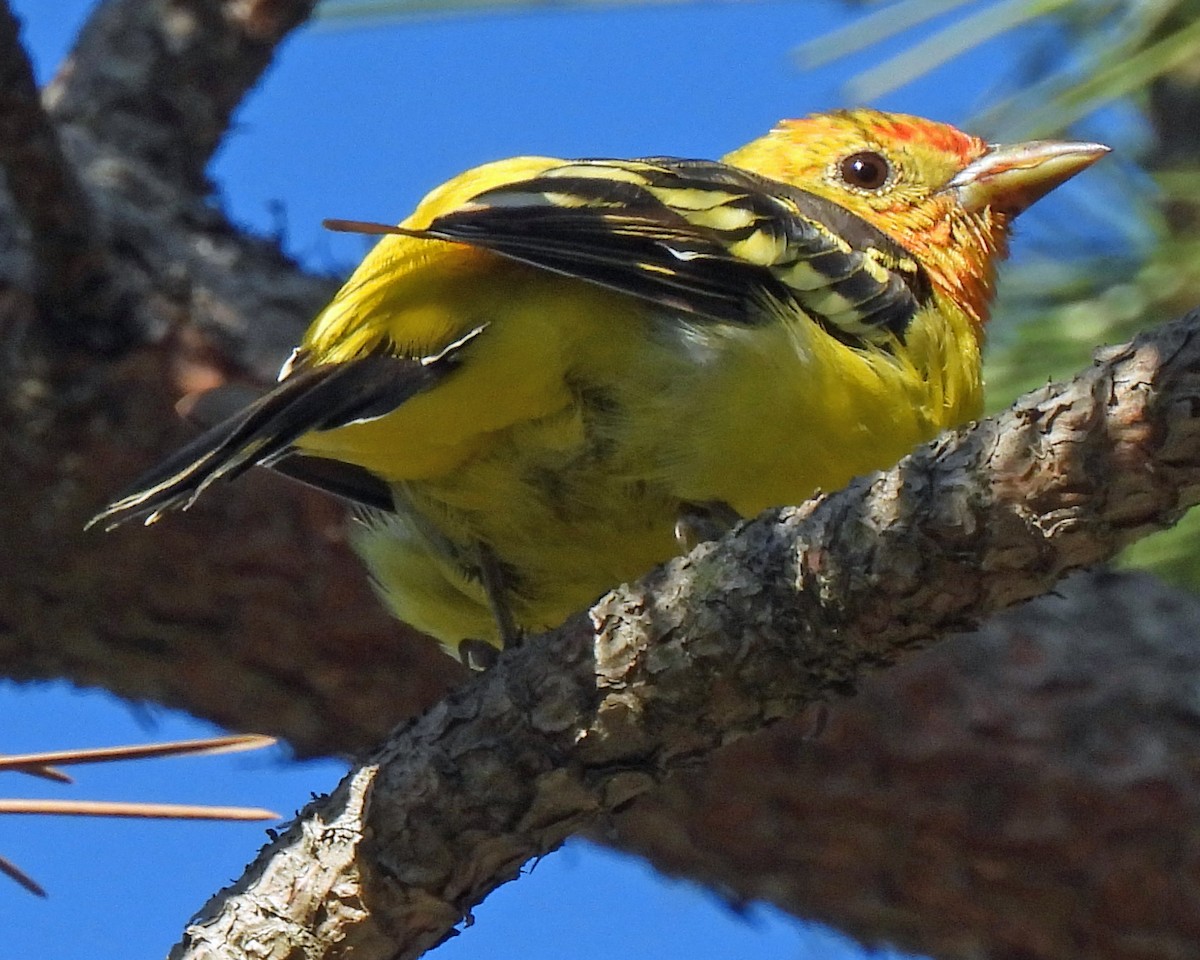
point(1010, 178)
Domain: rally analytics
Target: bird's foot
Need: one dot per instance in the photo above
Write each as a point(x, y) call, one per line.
point(698, 523)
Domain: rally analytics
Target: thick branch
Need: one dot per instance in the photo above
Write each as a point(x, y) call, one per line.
point(157, 80)
point(74, 273)
point(1026, 790)
point(115, 197)
point(798, 605)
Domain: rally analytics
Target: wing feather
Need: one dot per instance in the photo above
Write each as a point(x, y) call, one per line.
point(318, 397)
point(698, 236)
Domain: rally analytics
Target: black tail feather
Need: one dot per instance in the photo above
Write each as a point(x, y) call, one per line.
point(321, 397)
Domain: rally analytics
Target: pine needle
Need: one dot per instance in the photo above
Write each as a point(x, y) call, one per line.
point(40, 765)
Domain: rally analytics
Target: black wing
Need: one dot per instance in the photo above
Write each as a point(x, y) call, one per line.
point(701, 237)
point(319, 397)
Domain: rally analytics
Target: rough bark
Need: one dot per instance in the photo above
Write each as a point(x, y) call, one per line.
point(157, 81)
point(250, 611)
point(68, 254)
point(1026, 791)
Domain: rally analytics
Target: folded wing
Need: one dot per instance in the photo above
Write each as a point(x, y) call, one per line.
point(700, 237)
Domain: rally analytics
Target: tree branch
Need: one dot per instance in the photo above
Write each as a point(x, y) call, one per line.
point(1026, 790)
point(157, 81)
point(70, 257)
point(798, 605)
point(140, 105)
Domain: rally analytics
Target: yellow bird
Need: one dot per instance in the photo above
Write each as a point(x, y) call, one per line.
point(554, 371)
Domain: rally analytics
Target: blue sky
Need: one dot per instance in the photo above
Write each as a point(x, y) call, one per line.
point(358, 123)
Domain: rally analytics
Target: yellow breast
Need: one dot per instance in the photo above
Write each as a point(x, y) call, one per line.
point(581, 420)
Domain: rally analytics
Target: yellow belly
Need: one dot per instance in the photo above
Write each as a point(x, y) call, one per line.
point(568, 441)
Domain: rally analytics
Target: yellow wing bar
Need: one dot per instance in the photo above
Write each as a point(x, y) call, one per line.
point(697, 236)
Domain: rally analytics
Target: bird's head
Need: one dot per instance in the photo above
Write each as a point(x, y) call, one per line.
point(947, 197)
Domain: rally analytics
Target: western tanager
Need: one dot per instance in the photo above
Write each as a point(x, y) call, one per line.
point(553, 367)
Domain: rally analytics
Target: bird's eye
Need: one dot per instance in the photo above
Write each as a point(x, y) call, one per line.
point(867, 170)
